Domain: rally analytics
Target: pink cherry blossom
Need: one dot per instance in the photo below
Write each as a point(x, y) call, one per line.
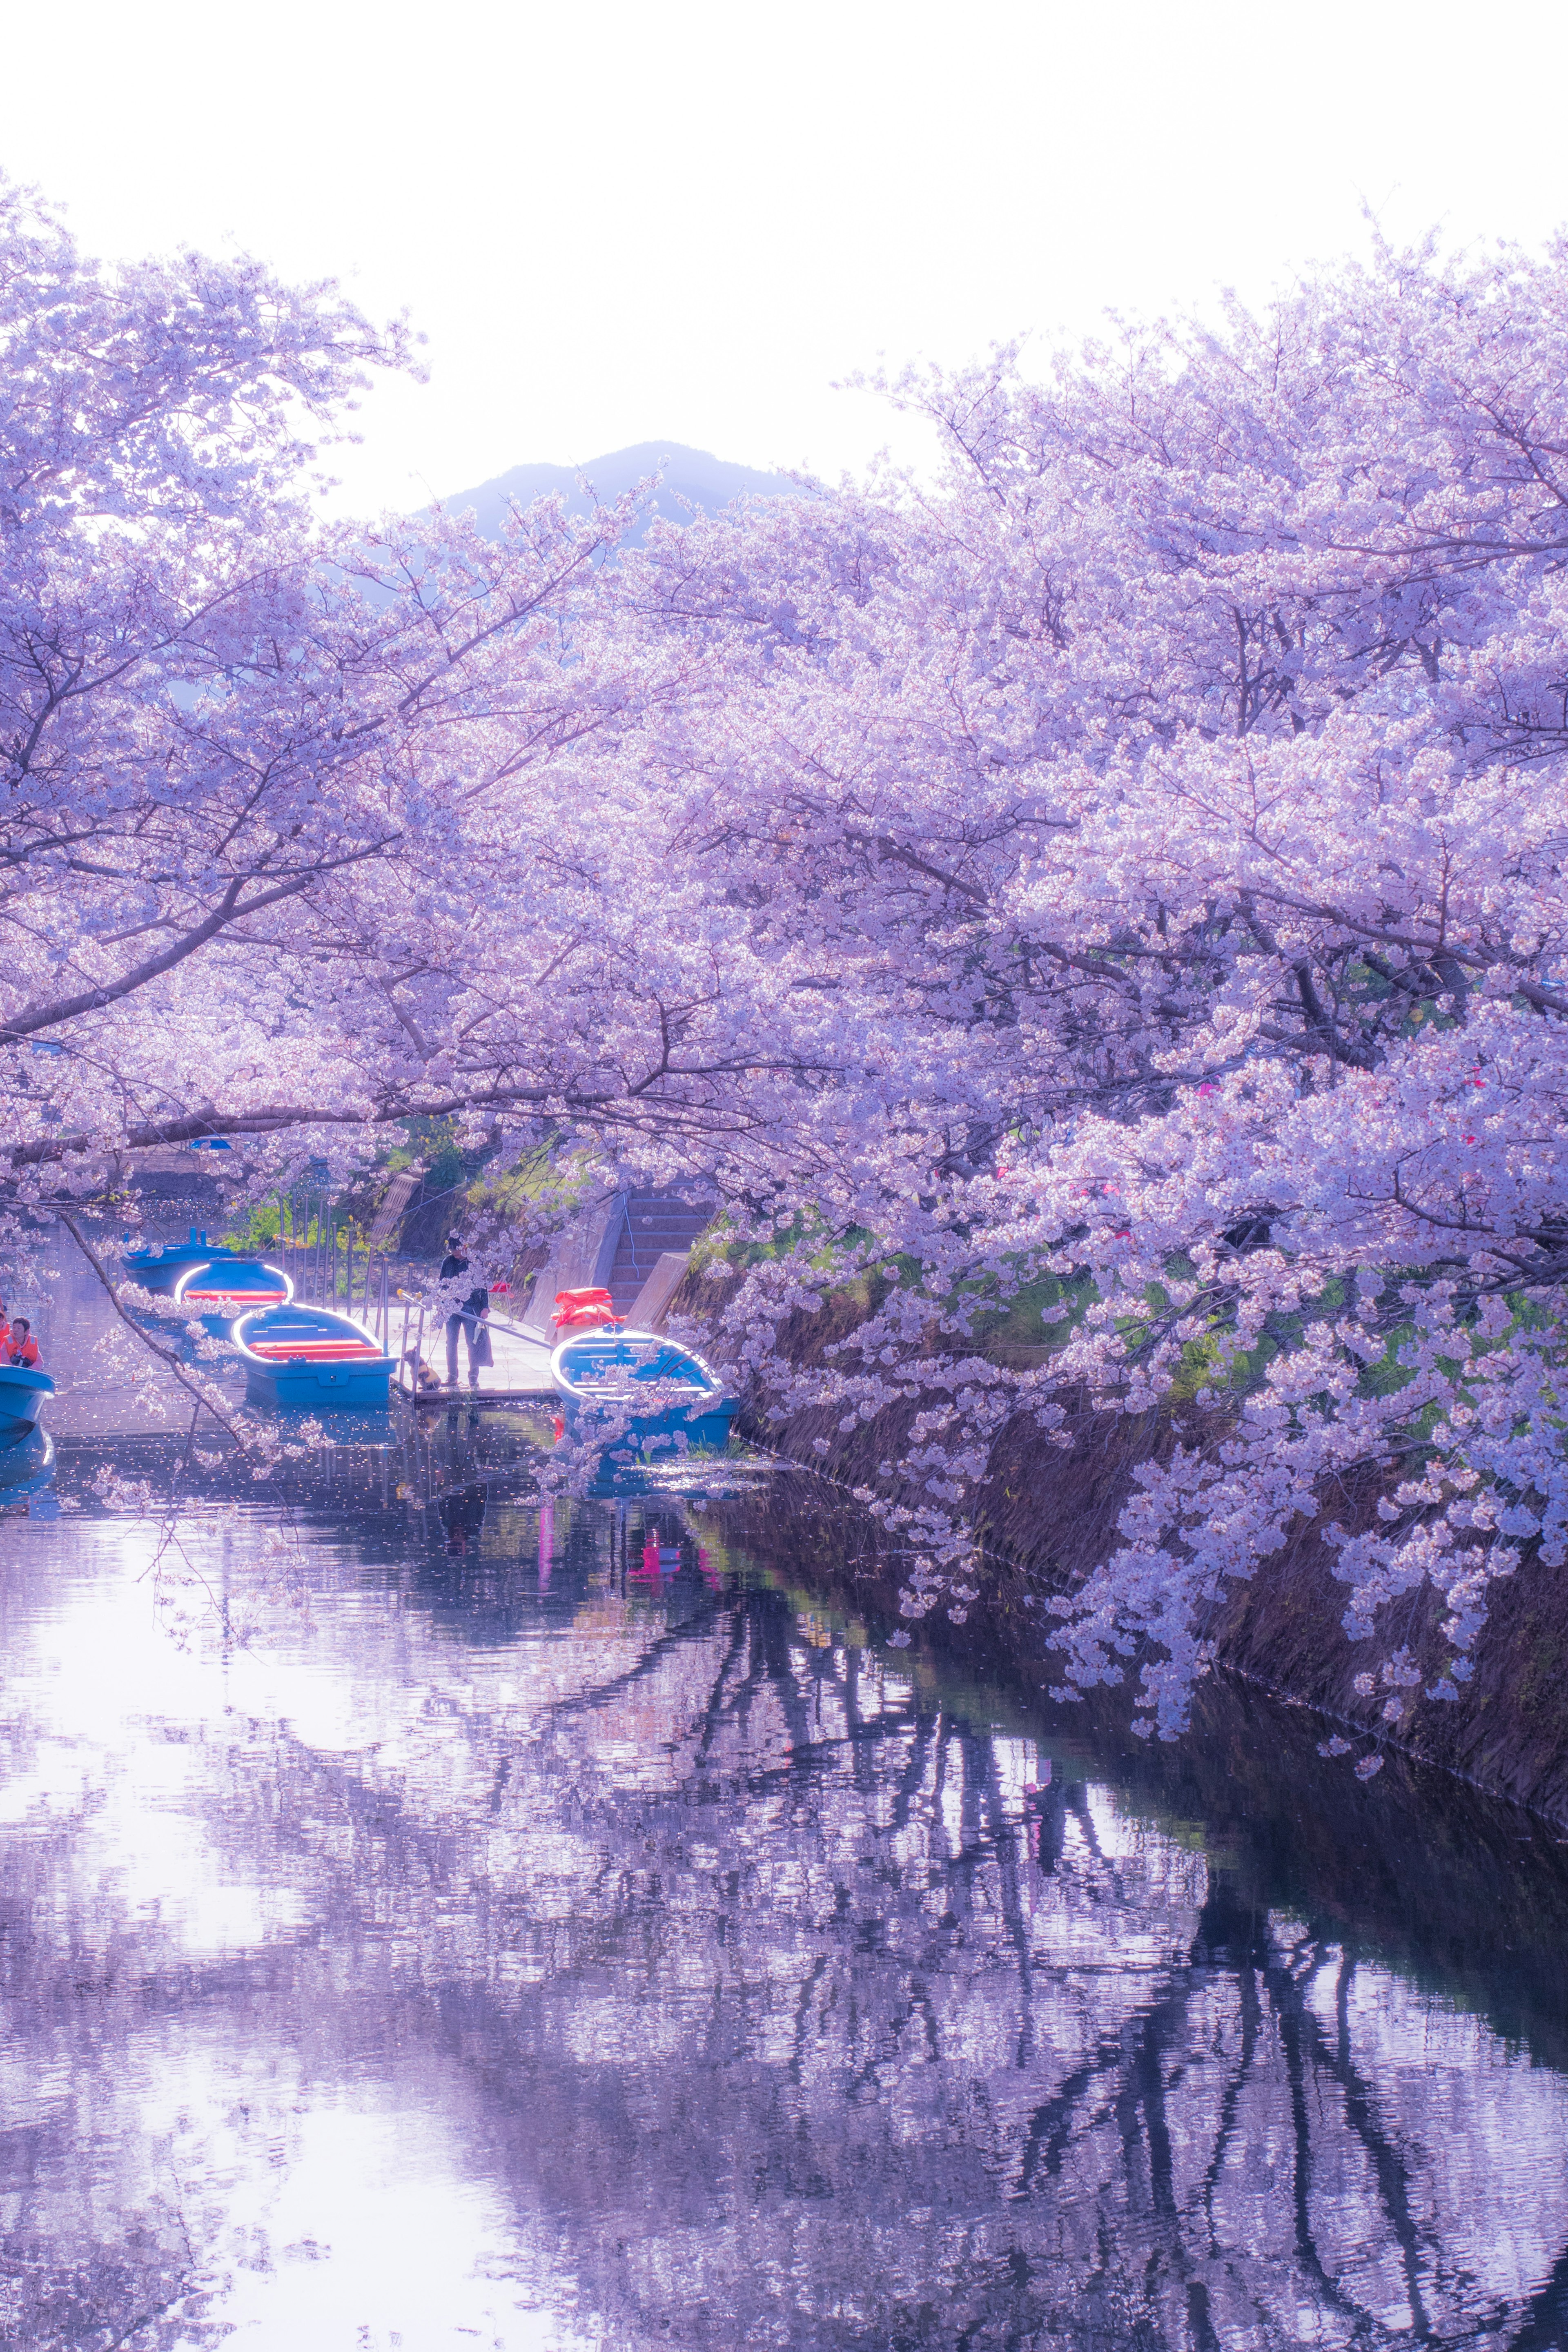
point(1128, 873)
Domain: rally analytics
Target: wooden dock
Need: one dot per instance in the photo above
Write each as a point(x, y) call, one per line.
point(635, 1245)
point(518, 1374)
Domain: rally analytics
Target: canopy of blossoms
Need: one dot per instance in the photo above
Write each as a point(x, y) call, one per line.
point(1126, 877)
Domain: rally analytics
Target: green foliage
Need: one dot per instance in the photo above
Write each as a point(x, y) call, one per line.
point(259, 1228)
point(721, 1248)
point(541, 1172)
point(448, 1167)
point(1014, 1332)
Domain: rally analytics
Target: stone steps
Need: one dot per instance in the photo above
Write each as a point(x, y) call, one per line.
point(656, 1221)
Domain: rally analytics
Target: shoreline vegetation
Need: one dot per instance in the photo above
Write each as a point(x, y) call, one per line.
point(1044, 1514)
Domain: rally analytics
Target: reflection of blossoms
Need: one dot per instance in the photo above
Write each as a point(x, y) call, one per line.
point(797, 1834)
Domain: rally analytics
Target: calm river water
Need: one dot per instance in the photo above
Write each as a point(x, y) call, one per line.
point(434, 1920)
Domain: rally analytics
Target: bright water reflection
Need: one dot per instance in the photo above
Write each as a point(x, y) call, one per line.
point(429, 1921)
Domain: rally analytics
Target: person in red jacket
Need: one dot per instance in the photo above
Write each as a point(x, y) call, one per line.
point(21, 1346)
point(4, 1329)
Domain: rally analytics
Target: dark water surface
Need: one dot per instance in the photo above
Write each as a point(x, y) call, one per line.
point(432, 1920)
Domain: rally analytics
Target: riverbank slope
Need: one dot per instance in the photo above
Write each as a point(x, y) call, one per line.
point(1047, 1514)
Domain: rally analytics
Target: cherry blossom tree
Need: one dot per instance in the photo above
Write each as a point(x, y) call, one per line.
point(1126, 874)
point(1160, 830)
point(251, 762)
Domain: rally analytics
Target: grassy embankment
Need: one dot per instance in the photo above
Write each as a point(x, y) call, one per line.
point(1046, 1514)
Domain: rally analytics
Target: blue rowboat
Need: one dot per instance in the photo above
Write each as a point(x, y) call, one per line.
point(220, 1291)
point(23, 1389)
point(160, 1270)
point(639, 1386)
point(27, 1468)
point(310, 1358)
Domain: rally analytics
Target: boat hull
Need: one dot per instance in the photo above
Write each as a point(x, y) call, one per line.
point(312, 1359)
point(661, 1432)
point(319, 1388)
point(218, 1293)
point(22, 1395)
point(161, 1270)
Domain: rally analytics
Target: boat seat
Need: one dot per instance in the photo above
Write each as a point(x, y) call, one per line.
point(231, 1297)
point(314, 1351)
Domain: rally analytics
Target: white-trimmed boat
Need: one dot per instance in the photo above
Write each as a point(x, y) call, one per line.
point(220, 1291)
point(311, 1359)
point(639, 1387)
point(162, 1268)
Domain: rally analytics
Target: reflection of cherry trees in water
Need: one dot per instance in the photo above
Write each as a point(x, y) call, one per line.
point(1019, 2063)
point(780, 2003)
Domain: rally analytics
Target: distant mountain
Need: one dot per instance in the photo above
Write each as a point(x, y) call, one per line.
point(708, 482)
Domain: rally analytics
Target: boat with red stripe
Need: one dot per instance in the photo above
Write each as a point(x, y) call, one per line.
point(310, 1359)
point(223, 1290)
point(161, 1267)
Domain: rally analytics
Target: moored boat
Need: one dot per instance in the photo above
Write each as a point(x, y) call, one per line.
point(220, 1291)
point(162, 1269)
point(640, 1386)
point(23, 1389)
point(310, 1359)
point(27, 1468)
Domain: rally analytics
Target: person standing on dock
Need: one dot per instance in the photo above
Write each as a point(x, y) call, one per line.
point(468, 1318)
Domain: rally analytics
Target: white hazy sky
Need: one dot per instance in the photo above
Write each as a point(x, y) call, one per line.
point(620, 223)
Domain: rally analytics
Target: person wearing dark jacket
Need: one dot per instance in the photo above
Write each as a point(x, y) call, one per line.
point(467, 1319)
